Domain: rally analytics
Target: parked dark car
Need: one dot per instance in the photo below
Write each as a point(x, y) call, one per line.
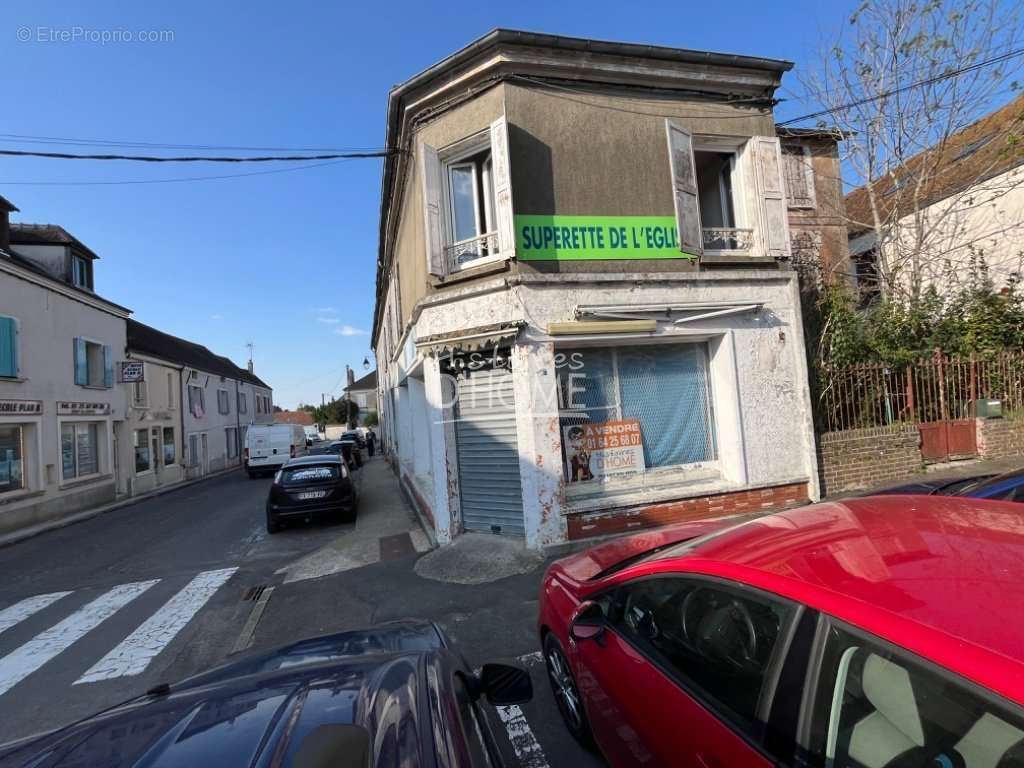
point(356, 436)
point(938, 487)
point(394, 695)
point(1005, 487)
point(313, 486)
point(347, 448)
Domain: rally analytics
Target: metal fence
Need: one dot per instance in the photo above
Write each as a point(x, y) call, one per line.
point(936, 388)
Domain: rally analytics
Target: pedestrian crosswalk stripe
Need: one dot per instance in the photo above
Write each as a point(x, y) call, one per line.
point(135, 652)
point(21, 610)
point(19, 664)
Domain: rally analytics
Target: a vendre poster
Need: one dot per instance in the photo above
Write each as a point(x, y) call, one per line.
point(605, 448)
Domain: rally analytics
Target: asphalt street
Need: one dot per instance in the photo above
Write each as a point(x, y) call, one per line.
point(102, 610)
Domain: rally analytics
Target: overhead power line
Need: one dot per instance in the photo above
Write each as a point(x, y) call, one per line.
point(168, 181)
point(24, 138)
point(927, 81)
point(202, 158)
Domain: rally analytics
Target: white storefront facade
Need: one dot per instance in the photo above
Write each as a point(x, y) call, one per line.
point(59, 401)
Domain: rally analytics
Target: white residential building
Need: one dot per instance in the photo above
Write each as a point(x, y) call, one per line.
point(218, 399)
point(61, 410)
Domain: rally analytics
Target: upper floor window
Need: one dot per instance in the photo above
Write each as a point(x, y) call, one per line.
point(196, 401)
point(170, 390)
point(223, 403)
point(468, 201)
point(799, 173)
point(470, 194)
point(139, 394)
point(243, 405)
point(8, 347)
point(728, 193)
point(81, 272)
point(94, 364)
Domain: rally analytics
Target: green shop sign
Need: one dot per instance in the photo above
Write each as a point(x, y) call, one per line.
point(574, 238)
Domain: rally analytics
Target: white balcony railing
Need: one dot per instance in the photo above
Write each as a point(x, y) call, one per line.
point(465, 251)
point(728, 239)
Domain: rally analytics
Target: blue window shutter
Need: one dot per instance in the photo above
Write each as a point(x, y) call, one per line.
point(81, 362)
point(8, 347)
point(108, 366)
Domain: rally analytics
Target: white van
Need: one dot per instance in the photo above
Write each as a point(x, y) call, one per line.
point(269, 446)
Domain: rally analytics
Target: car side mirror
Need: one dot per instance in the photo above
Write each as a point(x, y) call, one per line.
point(589, 623)
point(505, 684)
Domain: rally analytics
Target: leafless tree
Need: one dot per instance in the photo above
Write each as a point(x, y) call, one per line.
point(903, 82)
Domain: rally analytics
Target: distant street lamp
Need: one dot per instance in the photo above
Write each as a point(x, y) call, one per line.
point(366, 363)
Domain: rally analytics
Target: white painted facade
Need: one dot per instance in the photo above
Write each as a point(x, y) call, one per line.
point(758, 382)
point(217, 412)
point(58, 476)
point(984, 222)
point(150, 440)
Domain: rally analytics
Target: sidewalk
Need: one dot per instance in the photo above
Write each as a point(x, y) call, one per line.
point(13, 537)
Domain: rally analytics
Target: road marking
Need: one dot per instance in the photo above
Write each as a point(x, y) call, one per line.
point(135, 652)
point(524, 743)
point(20, 663)
point(22, 609)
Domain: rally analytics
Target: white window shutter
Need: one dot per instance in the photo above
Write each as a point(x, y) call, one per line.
point(430, 170)
point(684, 188)
point(503, 188)
point(774, 214)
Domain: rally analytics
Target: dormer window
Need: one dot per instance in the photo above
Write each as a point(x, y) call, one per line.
point(80, 273)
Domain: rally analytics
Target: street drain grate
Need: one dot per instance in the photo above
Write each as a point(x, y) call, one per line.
point(253, 594)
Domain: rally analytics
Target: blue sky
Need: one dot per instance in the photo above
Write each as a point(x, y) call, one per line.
point(285, 260)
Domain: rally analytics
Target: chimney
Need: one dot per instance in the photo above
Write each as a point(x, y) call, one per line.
point(249, 366)
point(5, 224)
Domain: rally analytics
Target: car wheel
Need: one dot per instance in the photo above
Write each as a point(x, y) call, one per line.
point(273, 524)
point(566, 692)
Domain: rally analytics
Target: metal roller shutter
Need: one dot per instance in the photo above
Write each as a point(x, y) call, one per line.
point(488, 452)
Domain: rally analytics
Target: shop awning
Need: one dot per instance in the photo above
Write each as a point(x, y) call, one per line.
point(470, 339)
point(677, 313)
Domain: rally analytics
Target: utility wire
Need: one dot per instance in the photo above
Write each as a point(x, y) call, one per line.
point(34, 139)
point(901, 89)
point(200, 158)
point(167, 181)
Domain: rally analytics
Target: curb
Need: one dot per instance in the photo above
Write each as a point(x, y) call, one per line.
point(32, 531)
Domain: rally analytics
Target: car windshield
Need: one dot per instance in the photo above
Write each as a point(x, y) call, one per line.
point(981, 489)
point(320, 473)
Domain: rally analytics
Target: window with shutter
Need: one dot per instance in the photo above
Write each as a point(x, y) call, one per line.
point(684, 188)
point(799, 174)
point(81, 362)
point(8, 346)
point(774, 215)
point(108, 366)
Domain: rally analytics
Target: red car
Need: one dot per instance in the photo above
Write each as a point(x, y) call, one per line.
point(881, 632)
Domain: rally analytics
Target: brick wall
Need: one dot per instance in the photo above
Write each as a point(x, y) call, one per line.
point(861, 458)
point(1000, 438)
point(605, 522)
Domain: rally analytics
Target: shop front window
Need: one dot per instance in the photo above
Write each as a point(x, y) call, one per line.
point(142, 456)
point(79, 449)
point(631, 410)
point(12, 471)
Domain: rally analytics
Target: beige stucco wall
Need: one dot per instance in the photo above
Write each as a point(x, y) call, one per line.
point(410, 251)
point(162, 410)
point(48, 323)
